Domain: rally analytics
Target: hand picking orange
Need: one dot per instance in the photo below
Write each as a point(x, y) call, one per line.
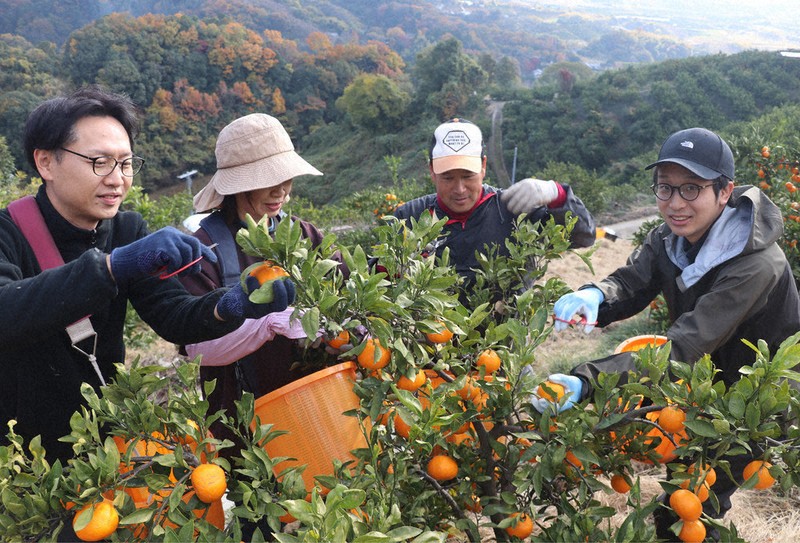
point(556, 389)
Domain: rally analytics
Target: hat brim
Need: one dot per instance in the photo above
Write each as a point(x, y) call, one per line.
point(694, 167)
point(260, 174)
point(457, 162)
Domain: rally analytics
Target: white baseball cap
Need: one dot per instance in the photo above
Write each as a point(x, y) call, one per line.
point(457, 144)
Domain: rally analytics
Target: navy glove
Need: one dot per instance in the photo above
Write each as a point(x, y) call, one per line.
point(164, 250)
point(573, 389)
point(236, 304)
point(585, 302)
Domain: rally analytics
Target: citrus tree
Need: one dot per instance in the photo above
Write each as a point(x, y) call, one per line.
point(775, 168)
point(453, 443)
point(452, 446)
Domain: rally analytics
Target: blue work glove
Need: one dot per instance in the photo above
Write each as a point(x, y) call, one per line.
point(573, 390)
point(528, 194)
point(585, 302)
point(236, 304)
point(163, 251)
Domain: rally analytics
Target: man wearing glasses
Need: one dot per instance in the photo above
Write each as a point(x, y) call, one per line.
point(63, 325)
point(716, 261)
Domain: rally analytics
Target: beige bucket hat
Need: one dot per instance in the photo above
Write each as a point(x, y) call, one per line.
point(253, 152)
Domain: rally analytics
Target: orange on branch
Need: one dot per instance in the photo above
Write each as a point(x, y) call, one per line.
point(619, 483)
point(686, 504)
point(374, 356)
point(412, 384)
point(443, 336)
point(761, 469)
point(707, 474)
point(523, 528)
point(573, 460)
point(672, 419)
point(469, 391)
point(692, 531)
point(208, 481)
point(490, 360)
point(103, 523)
point(665, 449)
point(402, 428)
point(442, 467)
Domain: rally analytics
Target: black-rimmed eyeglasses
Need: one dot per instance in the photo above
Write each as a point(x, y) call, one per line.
point(104, 165)
point(688, 191)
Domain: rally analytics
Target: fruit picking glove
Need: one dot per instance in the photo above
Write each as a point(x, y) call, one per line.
point(585, 302)
point(236, 304)
point(526, 195)
point(165, 250)
point(573, 390)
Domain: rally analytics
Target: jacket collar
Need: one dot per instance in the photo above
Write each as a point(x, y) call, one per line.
point(461, 218)
point(750, 222)
point(70, 240)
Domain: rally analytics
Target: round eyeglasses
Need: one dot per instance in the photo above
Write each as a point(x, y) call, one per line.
point(688, 191)
point(104, 165)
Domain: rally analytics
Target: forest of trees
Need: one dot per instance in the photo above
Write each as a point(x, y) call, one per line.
point(350, 104)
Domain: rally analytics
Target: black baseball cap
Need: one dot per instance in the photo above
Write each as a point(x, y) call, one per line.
point(699, 150)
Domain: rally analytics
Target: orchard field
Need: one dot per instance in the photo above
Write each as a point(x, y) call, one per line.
point(451, 448)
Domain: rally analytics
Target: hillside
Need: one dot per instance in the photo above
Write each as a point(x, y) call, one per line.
point(363, 111)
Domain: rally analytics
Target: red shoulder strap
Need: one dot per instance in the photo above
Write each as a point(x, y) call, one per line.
point(26, 214)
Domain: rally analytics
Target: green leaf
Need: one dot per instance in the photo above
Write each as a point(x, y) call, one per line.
point(702, 428)
point(139, 516)
point(737, 404)
point(752, 416)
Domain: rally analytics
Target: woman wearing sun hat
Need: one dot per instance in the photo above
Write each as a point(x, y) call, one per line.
point(256, 164)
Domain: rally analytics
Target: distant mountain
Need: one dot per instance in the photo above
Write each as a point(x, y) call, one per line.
point(600, 33)
point(709, 26)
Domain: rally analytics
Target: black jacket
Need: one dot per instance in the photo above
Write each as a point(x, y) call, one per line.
point(41, 371)
point(491, 223)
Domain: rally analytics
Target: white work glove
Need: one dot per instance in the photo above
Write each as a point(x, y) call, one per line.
point(526, 195)
point(585, 303)
point(573, 390)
